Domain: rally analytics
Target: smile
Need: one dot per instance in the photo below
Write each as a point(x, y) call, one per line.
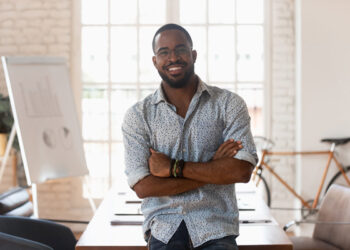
point(175, 70)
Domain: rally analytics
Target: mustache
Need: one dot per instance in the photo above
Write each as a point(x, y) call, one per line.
point(176, 63)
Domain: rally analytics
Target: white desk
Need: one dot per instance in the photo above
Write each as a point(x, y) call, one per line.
point(101, 235)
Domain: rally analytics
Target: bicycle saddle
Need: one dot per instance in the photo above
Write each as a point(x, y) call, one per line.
point(337, 141)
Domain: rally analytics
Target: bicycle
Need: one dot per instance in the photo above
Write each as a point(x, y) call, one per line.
point(265, 145)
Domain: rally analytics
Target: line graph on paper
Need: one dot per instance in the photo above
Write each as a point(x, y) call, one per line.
point(39, 98)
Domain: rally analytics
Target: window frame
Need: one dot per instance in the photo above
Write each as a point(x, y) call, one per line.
point(172, 16)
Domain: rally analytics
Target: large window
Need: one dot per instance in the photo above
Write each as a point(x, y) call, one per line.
point(117, 69)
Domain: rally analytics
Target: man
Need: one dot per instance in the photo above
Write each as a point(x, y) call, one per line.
point(185, 147)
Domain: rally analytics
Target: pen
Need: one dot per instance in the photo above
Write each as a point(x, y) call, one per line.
point(254, 221)
point(119, 214)
point(133, 202)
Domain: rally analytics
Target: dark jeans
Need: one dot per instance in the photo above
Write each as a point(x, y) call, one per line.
point(181, 241)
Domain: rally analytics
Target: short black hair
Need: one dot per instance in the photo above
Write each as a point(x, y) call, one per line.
point(171, 26)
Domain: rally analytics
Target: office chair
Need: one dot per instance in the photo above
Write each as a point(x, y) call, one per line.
point(16, 201)
point(8, 241)
point(332, 226)
point(51, 234)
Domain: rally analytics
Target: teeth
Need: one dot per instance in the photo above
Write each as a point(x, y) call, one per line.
point(174, 68)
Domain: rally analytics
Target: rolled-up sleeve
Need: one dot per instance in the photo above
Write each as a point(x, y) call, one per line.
point(237, 127)
point(136, 144)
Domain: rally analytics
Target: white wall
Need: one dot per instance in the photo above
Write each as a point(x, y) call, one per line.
point(323, 82)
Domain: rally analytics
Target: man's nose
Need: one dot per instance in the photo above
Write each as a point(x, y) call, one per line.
point(173, 56)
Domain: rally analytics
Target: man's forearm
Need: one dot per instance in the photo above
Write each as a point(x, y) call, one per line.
point(221, 171)
point(157, 186)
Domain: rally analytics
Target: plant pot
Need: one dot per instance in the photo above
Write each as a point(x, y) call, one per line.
point(3, 143)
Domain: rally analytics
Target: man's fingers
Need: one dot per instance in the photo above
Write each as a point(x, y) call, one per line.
point(231, 149)
point(225, 144)
point(228, 149)
point(219, 151)
point(233, 153)
point(153, 151)
point(230, 146)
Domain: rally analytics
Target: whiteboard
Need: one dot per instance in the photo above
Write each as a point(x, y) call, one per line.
point(45, 116)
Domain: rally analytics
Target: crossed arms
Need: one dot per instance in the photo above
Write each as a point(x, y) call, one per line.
point(222, 169)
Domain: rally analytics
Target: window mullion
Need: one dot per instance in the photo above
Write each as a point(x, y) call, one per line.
point(236, 49)
point(138, 26)
point(172, 16)
point(267, 64)
point(207, 38)
point(109, 96)
point(173, 11)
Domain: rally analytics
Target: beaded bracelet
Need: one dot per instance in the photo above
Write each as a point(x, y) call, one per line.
point(171, 167)
point(180, 168)
point(176, 168)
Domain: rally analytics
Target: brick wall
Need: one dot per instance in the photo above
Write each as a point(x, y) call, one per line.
point(283, 102)
point(43, 27)
point(35, 27)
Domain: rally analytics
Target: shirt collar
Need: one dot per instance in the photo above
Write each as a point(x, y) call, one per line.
point(159, 95)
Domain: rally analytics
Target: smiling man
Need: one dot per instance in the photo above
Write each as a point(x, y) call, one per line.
point(185, 147)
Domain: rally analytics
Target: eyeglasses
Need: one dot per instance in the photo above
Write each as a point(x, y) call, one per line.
point(165, 53)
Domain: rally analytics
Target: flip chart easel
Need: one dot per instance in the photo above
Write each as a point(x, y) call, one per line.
point(45, 118)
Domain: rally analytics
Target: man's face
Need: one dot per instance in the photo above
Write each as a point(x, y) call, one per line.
point(174, 58)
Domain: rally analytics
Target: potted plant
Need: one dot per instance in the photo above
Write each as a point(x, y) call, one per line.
point(6, 122)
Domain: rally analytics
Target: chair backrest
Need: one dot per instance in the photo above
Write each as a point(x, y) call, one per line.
point(8, 241)
point(335, 208)
point(16, 202)
point(55, 235)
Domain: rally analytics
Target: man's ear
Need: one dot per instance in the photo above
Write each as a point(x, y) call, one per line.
point(154, 59)
point(194, 55)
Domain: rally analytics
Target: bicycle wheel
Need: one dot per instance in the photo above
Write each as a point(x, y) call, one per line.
point(264, 190)
point(338, 178)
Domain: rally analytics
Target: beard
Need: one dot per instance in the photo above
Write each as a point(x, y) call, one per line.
point(178, 84)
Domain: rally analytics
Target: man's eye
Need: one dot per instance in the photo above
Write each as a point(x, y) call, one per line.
point(163, 53)
point(182, 51)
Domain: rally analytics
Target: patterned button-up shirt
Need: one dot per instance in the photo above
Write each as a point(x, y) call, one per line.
point(214, 116)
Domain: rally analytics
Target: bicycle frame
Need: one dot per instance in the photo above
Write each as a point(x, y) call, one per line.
point(331, 157)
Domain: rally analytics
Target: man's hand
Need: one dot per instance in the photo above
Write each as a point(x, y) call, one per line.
point(228, 149)
point(159, 164)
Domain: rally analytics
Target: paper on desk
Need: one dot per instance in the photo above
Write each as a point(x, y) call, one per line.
point(246, 201)
point(245, 187)
point(127, 220)
point(127, 209)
